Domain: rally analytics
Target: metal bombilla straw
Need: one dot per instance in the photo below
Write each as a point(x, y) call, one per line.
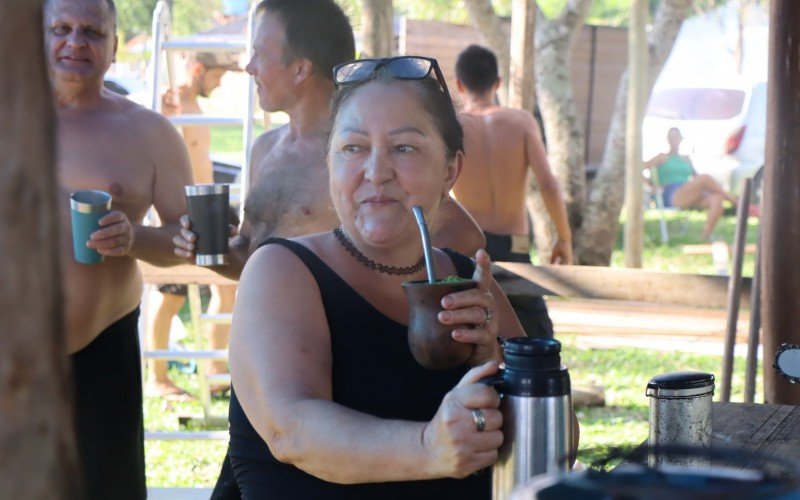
point(426, 243)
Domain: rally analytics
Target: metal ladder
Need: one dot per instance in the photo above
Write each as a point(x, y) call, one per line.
point(164, 48)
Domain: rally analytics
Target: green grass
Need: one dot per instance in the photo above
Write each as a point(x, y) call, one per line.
point(684, 228)
point(229, 139)
point(622, 371)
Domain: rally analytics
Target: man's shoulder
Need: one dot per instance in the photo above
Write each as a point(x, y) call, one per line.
point(269, 138)
point(137, 114)
point(500, 113)
point(522, 116)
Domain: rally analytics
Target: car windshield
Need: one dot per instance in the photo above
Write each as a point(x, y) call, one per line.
point(696, 103)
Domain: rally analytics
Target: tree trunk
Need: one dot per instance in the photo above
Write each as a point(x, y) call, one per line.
point(36, 433)
point(595, 240)
point(780, 243)
point(637, 100)
point(554, 43)
point(521, 90)
point(377, 27)
point(488, 23)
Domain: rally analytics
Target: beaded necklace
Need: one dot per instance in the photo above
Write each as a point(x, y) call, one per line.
point(377, 266)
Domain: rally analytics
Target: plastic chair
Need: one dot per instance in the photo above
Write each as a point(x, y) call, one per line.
point(656, 195)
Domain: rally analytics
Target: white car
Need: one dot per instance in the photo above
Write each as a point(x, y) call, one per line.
point(723, 126)
point(134, 89)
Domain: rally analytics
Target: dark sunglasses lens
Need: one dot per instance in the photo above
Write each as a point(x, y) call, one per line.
point(355, 71)
point(410, 67)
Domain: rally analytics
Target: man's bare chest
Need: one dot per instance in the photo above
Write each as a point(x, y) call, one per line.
point(109, 160)
point(291, 178)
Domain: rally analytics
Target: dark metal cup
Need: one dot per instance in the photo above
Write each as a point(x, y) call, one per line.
point(208, 209)
point(430, 341)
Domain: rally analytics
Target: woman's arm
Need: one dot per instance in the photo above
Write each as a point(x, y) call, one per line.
point(281, 368)
point(655, 161)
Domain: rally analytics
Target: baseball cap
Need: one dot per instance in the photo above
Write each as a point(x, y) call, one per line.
point(225, 60)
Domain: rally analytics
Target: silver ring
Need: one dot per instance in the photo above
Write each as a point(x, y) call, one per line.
point(489, 315)
point(480, 419)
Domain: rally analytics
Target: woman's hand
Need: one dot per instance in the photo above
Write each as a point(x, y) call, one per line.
point(453, 440)
point(476, 307)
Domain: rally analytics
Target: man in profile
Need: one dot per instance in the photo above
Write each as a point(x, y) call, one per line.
point(203, 75)
point(503, 146)
point(109, 143)
point(297, 44)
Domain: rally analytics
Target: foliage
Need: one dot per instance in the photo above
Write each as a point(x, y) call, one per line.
point(188, 16)
point(135, 16)
point(451, 11)
point(616, 12)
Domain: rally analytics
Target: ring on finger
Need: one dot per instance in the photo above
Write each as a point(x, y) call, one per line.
point(480, 419)
point(489, 315)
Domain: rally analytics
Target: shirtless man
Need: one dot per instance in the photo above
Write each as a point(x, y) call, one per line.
point(203, 74)
point(107, 142)
point(297, 44)
point(503, 146)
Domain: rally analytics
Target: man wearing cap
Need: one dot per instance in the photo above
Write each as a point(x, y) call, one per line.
point(204, 72)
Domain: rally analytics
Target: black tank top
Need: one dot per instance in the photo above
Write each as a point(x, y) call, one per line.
point(373, 372)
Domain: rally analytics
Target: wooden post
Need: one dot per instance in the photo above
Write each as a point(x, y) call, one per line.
point(37, 444)
point(755, 329)
point(521, 92)
point(734, 291)
point(637, 97)
point(377, 28)
point(780, 297)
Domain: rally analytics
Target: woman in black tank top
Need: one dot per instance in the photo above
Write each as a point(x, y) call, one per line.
point(328, 401)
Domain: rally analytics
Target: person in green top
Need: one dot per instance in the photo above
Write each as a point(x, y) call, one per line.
point(684, 187)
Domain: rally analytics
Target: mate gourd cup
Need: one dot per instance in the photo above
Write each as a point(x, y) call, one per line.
point(431, 342)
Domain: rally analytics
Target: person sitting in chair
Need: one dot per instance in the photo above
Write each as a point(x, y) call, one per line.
point(684, 187)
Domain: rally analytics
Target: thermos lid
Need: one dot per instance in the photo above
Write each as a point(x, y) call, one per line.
point(681, 384)
point(532, 346)
point(533, 368)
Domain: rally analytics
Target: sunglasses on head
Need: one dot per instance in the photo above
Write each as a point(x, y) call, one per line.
point(401, 67)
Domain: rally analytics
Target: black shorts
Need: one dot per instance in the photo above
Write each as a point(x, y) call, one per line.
point(182, 290)
point(531, 311)
point(109, 424)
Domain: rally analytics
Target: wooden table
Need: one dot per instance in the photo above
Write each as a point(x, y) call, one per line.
point(182, 274)
point(773, 430)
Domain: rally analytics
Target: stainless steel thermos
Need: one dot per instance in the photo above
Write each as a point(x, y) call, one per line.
point(680, 416)
point(536, 407)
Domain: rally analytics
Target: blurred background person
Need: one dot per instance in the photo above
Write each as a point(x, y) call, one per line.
point(203, 74)
point(503, 146)
point(683, 187)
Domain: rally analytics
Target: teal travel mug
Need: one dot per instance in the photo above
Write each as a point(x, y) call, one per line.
point(88, 207)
